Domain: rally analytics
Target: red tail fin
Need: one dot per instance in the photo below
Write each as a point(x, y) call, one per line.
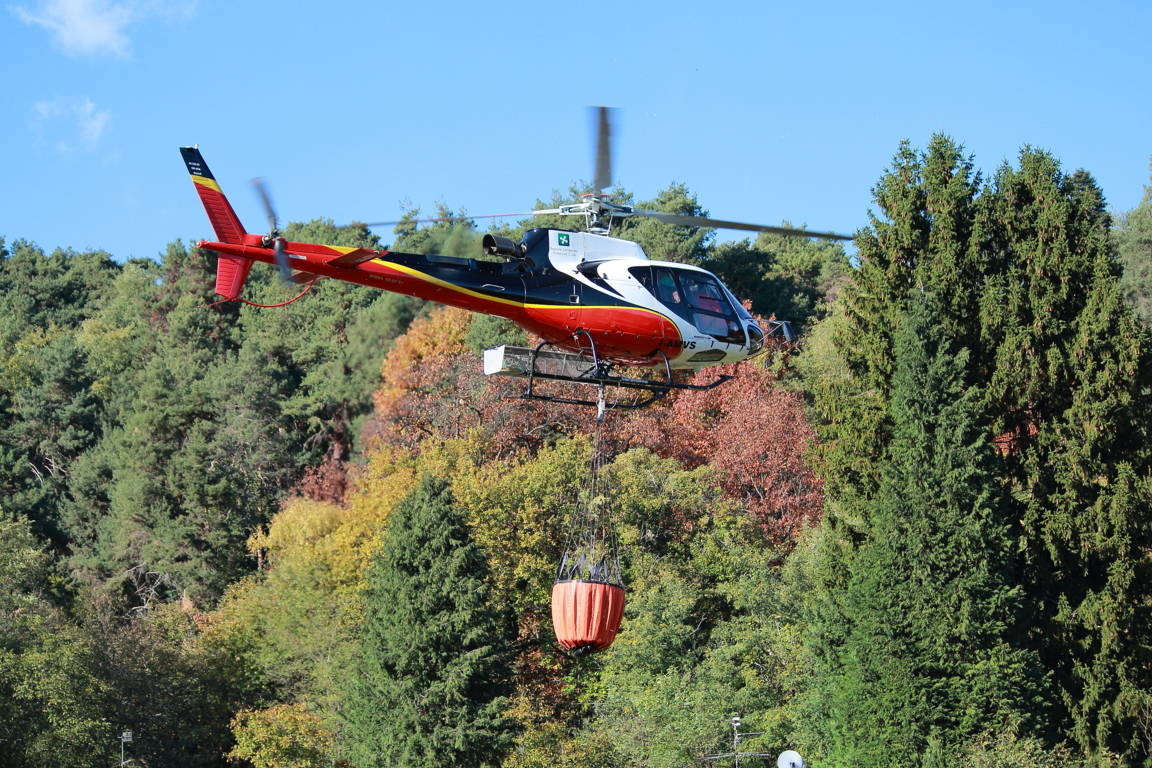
point(231, 271)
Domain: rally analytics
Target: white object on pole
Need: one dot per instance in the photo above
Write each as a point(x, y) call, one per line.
point(790, 759)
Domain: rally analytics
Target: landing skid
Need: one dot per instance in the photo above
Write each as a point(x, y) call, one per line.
point(547, 362)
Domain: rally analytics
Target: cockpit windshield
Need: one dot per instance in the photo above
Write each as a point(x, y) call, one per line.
point(697, 297)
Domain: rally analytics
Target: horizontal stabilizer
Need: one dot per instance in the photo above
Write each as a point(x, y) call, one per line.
point(231, 272)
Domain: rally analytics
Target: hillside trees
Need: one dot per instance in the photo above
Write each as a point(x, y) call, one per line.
point(976, 588)
point(194, 459)
point(515, 472)
point(173, 689)
point(209, 412)
point(49, 414)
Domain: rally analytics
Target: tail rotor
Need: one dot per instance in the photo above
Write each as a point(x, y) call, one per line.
point(274, 239)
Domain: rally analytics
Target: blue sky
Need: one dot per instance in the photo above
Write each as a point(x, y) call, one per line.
point(768, 112)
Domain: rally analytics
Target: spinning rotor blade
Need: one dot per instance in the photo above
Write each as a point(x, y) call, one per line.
point(603, 174)
point(274, 231)
point(700, 221)
point(282, 260)
point(266, 201)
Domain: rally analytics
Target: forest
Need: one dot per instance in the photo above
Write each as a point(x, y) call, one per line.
point(318, 535)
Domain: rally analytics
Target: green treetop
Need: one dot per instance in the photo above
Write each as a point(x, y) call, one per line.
point(431, 679)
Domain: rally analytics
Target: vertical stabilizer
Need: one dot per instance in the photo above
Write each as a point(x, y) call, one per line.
point(231, 271)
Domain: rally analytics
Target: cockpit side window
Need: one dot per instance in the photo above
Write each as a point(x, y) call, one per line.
point(698, 298)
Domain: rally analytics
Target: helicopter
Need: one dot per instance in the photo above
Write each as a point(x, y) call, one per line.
point(598, 303)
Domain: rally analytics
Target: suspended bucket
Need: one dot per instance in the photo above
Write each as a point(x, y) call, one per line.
point(586, 614)
point(588, 594)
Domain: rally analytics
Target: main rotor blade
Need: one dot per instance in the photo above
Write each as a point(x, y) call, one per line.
point(700, 221)
point(603, 175)
point(439, 219)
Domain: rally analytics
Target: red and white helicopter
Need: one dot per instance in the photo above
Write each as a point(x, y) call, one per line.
point(597, 302)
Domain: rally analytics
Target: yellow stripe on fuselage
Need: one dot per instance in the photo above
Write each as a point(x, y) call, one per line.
point(460, 289)
point(444, 283)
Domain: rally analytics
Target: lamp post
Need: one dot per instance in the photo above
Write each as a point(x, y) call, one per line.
point(125, 737)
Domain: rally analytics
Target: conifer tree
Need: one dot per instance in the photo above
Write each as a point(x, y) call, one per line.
point(429, 683)
point(1024, 277)
point(1070, 396)
point(931, 620)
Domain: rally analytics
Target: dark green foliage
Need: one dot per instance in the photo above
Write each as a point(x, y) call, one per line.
point(1071, 391)
point(1023, 277)
point(924, 239)
point(429, 683)
point(149, 430)
point(61, 289)
point(192, 459)
point(919, 630)
point(176, 695)
point(48, 413)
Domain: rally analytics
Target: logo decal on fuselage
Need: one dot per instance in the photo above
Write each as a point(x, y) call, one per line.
point(562, 239)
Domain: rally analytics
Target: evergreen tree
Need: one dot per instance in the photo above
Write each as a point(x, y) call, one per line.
point(1070, 398)
point(48, 412)
point(929, 622)
point(1024, 277)
point(430, 680)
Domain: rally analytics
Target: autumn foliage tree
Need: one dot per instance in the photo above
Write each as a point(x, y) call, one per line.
point(755, 436)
